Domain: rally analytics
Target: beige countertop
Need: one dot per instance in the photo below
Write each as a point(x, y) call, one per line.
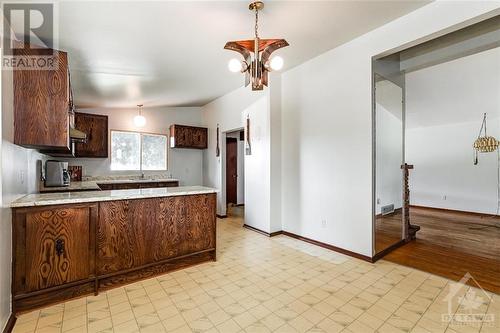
point(93, 184)
point(45, 199)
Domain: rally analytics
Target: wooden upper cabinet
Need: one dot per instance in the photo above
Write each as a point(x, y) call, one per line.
point(41, 99)
point(96, 128)
point(188, 137)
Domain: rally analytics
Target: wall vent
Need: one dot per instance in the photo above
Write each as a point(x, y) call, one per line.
point(387, 209)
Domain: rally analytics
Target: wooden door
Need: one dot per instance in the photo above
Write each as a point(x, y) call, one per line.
point(231, 170)
point(96, 128)
point(57, 247)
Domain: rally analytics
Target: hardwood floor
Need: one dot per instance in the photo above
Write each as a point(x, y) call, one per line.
point(388, 230)
point(450, 244)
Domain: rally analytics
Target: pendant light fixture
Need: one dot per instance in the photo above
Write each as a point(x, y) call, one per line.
point(484, 143)
point(256, 54)
point(139, 120)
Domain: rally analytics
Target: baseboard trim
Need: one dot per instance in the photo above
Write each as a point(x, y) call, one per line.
point(386, 251)
point(221, 216)
point(312, 241)
point(329, 247)
point(397, 210)
point(265, 233)
point(10, 324)
point(455, 211)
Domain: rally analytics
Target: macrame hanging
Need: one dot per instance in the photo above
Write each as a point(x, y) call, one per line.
point(485, 143)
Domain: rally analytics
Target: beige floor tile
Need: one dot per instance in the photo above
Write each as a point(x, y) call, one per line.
point(174, 323)
point(229, 326)
point(284, 286)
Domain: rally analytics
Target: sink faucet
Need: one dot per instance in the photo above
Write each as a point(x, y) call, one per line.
point(142, 175)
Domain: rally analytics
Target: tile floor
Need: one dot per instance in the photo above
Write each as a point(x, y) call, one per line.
point(277, 284)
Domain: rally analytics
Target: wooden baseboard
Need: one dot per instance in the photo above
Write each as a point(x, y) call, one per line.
point(265, 233)
point(386, 251)
point(329, 247)
point(221, 216)
point(455, 211)
point(10, 324)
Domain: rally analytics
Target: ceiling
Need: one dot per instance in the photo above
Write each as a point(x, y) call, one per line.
point(454, 92)
point(171, 52)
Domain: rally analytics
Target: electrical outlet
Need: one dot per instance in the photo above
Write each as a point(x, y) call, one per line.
point(444, 197)
point(323, 223)
point(378, 201)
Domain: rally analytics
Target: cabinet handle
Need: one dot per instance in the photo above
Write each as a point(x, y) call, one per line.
point(59, 246)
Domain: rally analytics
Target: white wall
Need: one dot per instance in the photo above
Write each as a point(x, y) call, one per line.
point(230, 111)
point(444, 174)
point(445, 106)
point(326, 128)
point(18, 177)
point(184, 164)
point(389, 156)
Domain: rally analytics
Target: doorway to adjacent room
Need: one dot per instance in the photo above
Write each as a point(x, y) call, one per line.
point(235, 169)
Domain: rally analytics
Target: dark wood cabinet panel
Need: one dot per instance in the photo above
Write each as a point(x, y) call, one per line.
point(188, 137)
point(96, 128)
point(66, 251)
point(132, 233)
point(120, 239)
point(53, 246)
point(135, 185)
point(41, 99)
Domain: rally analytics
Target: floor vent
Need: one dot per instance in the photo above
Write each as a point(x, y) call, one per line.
point(387, 209)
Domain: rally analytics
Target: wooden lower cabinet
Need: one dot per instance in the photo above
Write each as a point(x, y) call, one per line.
point(53, 246)
point(61, 252)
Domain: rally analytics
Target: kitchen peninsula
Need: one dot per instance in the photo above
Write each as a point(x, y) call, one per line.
point(71, 244)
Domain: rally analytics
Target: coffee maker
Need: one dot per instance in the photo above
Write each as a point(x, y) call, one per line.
point(56, 173)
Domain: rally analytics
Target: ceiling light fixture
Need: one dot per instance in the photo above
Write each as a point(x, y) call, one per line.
point(139, 120)
point(256, 54)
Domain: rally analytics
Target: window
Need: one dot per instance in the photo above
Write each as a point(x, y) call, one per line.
point(138, 151)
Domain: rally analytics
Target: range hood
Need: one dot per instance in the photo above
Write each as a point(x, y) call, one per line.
point(75, 135)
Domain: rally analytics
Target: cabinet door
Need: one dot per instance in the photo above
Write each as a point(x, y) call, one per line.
point(122, 240)
point(41, 100)
point(57, 247)
point(199, 136)
point(96, 128)
point(199, 229)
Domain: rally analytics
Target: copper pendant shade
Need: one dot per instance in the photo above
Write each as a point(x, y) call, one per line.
point(256, 53)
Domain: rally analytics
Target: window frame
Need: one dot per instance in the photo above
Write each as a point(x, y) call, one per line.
point(141, 134)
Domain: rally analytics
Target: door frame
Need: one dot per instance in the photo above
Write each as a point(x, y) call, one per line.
point(222, 142)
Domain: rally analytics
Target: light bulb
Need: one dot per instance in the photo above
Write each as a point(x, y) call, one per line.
point(276, 63)
point(139, 121)
point(234, 65)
